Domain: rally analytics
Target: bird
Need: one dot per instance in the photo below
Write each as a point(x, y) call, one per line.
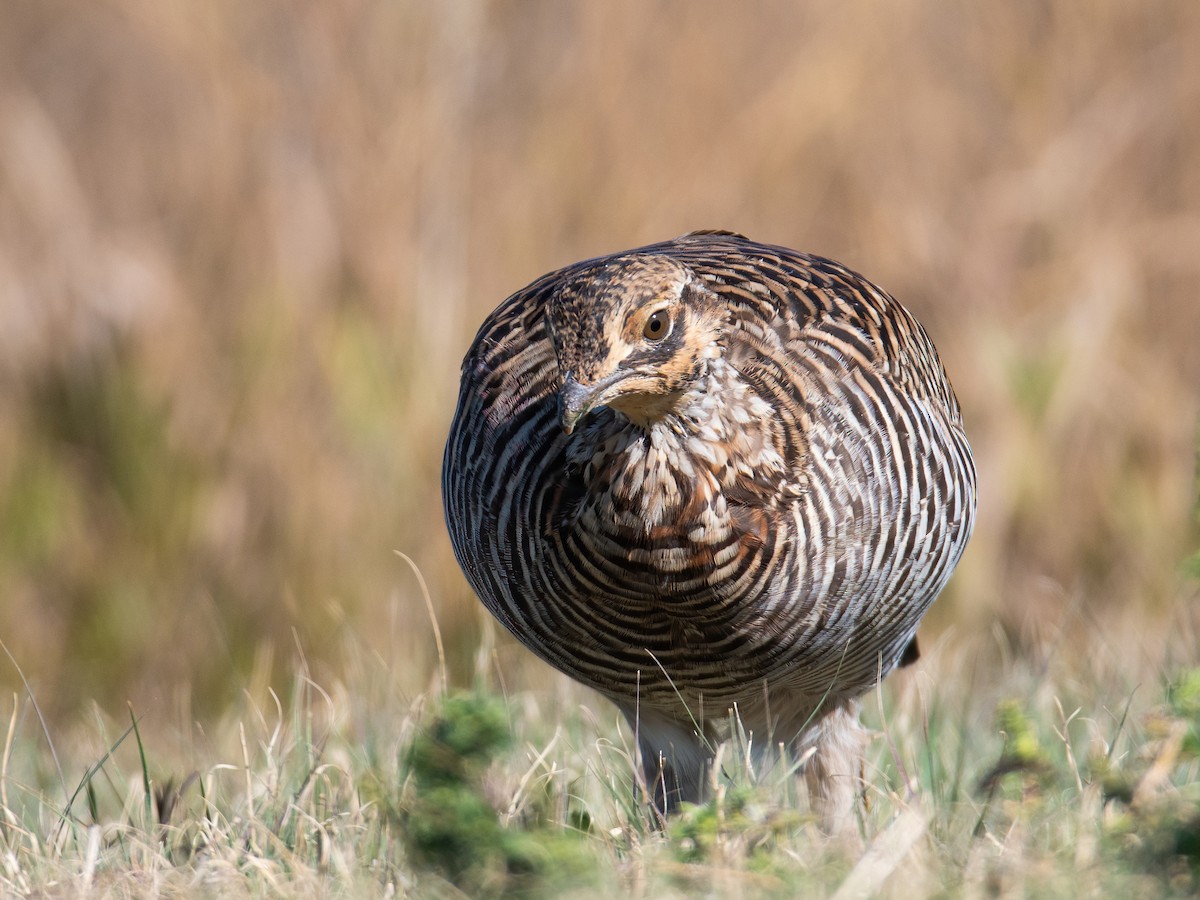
point(707, 478)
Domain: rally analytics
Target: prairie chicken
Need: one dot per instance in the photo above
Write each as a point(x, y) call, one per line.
point(711, 475)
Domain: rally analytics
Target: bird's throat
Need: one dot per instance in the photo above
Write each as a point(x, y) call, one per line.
point(647, 411)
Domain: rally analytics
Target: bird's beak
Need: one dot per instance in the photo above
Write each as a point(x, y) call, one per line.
point(574, 402)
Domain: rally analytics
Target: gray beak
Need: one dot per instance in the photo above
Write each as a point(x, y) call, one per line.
point(574, 401)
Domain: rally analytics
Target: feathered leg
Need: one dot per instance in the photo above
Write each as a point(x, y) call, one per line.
point(834, 773)
point(675, 761)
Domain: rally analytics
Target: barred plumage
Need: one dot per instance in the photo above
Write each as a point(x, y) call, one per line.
point(711, 473)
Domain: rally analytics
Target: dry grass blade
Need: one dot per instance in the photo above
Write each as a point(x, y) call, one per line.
point(433, 621)
point(884, 854)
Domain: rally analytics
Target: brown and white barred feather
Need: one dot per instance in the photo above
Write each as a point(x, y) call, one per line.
point(748, 502)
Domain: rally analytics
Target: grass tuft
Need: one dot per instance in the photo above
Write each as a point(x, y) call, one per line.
point(1043, 778)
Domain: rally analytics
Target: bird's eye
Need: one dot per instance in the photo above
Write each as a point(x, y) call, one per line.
point(657, 326)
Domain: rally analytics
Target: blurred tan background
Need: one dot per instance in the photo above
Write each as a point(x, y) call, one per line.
point(243, 247)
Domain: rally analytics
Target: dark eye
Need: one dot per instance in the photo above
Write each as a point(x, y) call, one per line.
point(657, 326)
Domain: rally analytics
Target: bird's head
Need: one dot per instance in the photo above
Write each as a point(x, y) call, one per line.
point(632, 334)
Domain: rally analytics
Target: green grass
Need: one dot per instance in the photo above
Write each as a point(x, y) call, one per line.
point(1042, 779)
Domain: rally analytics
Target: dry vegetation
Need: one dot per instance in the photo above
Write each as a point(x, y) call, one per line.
point(242, 247)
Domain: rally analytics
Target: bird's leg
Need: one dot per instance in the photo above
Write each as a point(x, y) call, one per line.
point(675, 760)
point(834, 773)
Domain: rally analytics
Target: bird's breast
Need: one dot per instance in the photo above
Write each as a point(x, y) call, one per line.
point(652, 514)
